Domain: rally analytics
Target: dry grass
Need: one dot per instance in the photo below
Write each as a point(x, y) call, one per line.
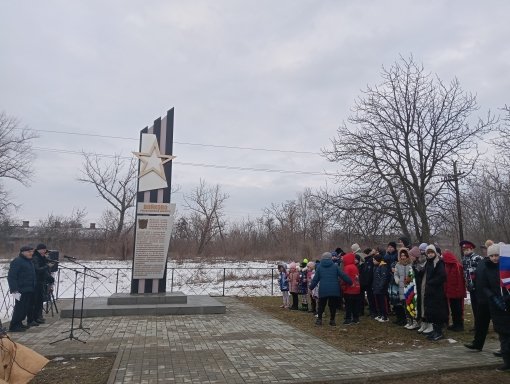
point(385, 337)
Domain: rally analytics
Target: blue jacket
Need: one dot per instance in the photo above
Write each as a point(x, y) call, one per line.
point(283, 281)
point(21, 276)
point(327, 275)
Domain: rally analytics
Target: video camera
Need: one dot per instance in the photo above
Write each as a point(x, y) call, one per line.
point(53, 256)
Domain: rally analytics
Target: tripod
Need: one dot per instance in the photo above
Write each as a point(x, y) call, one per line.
point(85, 268)
point(52, 302)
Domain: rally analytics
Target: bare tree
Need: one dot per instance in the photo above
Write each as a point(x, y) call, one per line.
point(15, 156)
point(206, 204)
point(400, 140)
point(115, 181)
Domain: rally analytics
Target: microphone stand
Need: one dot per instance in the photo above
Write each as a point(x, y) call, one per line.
point(85, 268)
point(71, 333)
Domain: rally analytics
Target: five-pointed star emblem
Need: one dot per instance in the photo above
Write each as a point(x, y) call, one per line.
point(153, 161)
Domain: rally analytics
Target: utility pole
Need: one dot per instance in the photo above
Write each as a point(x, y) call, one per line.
point(455, 179)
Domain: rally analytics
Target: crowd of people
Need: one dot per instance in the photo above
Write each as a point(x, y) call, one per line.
point(30, 281)
point(423, 286)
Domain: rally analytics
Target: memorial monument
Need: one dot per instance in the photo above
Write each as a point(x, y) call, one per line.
point(154, 220)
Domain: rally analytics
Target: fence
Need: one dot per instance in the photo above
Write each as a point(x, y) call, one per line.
point(190, 281)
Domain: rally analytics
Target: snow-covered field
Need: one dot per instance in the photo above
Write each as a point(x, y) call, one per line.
point(192, 278)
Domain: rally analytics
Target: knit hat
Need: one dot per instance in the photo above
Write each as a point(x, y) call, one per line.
point(423, 247)
point(40, 246)
point(415, 251)
point(311, 264)
point(431, 247)
point(326, 256)
point(355, 247)
point(392, 244)
point(26, 248)
point(493, 250)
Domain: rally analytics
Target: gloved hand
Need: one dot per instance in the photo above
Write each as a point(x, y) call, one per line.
point(499, 302)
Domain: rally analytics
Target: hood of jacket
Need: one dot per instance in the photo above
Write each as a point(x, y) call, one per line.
point(326, 263)
point(348, 259)
point(449, 258)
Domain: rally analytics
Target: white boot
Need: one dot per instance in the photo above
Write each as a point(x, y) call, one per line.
point(414, 325)
point(409, 324)
point(428, 329)
point(422, 327)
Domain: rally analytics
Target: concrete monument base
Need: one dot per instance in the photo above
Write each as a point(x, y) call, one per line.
point(156, 304)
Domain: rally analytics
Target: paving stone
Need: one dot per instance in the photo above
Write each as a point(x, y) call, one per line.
point(240, 346)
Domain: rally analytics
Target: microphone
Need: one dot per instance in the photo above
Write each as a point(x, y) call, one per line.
point(70, 257)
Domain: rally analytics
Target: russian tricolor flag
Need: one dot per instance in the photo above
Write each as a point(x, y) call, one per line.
point(504, 265)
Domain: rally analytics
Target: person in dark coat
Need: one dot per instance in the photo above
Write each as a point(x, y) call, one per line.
point(382, 275)
point(489, 282)
point(21, 279)
point(366, 278)
point(42, 279)
point(328, 275)
point(482, 313)
point(434, 300)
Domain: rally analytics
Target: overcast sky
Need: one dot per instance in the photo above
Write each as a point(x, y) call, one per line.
point(262, 74)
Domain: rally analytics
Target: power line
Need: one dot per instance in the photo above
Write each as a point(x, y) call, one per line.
point(205, 165)
point(179, 142)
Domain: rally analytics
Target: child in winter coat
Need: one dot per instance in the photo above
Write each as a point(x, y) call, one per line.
point(293, 285)
point(410, 294)
point(303, 285)
point(313, 298)
point(382, 275)
point(455, 289)
point(283, 282)
point(351, 292)
point(402, 269)
point(366, 277)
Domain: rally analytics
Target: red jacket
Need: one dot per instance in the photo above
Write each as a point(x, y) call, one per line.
point(351, 270)
point(454, 287)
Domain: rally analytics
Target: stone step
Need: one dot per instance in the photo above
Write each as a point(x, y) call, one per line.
point(98, 307)
point(147, 298)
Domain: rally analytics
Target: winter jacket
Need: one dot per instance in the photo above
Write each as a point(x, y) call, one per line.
point(293, 280)
point(480, 271)
point(283, 281)
point(401, 272)
point(390, 258)
point(489, 283)
point(470, 263)
point(455, 287)
point(351, 270)
point(303, 281)
point(435, 304)
point(42, 270)
point(21, 275)
point(328, 273)
point(366, 273)
point(382, 275)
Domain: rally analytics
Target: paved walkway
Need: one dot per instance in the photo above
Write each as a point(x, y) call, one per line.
point(241, 346)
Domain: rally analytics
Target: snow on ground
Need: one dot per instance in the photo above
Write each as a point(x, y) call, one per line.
point(104, 278)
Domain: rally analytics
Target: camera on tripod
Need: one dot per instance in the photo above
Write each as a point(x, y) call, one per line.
point(53, 256)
